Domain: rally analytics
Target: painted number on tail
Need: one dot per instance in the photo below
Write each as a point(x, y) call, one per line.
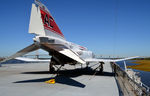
point(49, 22)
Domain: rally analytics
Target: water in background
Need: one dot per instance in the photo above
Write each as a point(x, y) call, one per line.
point(145, 76)
point(14, 61)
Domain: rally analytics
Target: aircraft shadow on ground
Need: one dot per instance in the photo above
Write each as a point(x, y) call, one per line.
point(64, 76)
point(58, 79)
point(74, 72)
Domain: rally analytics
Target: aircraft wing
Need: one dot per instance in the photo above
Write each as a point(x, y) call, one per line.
point(31, 59)
point(65, 51)
point(109, 60)
point(26, 50)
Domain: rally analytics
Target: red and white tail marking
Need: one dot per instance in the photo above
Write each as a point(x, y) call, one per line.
point(42, 23)
point(49, 23)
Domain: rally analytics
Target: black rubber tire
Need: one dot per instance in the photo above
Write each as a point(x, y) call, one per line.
point(52, 70)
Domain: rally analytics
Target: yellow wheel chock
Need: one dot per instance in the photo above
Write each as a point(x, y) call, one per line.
point(51, 81)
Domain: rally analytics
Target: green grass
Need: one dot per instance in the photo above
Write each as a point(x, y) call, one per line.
point(143, 65)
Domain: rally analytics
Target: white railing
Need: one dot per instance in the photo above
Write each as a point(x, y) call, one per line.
point(139, 89)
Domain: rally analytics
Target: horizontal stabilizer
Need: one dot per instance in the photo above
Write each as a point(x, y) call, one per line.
point(65, 51)
point(24, 51)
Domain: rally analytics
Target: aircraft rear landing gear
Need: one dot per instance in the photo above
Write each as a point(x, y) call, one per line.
point(51, 68)
point(87, 64)
point(101, 69)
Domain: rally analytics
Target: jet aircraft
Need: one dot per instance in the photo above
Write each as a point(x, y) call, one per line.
point(49, 37)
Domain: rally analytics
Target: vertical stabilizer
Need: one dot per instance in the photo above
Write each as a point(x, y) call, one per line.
point(36, 24)
point(42, 22)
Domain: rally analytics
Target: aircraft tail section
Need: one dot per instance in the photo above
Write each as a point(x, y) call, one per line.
point(36, 25)
point(42, 23)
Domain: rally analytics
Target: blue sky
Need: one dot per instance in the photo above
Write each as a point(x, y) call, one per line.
point(107, 27)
